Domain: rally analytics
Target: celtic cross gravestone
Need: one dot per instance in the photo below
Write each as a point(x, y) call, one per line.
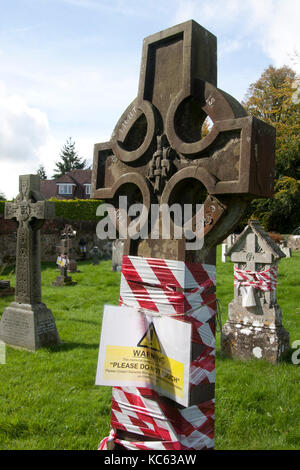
point(254, 326)
point(159, 155)
point(27, 322)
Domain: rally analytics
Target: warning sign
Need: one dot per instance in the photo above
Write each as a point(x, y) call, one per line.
point(137, 350)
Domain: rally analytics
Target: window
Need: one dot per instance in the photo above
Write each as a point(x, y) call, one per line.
point(65, 189)
point(87, 189)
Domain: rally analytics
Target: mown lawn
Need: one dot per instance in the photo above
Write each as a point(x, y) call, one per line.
point(49, 400)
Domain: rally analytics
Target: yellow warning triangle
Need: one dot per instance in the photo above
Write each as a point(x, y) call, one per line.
point(150, 339)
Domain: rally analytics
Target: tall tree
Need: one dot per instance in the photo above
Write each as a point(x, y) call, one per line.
point(274, 98)
point(42, 172)
point(69, 160)
point(2, 196)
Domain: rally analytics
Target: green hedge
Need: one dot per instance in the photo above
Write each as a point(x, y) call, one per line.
point(75, 209)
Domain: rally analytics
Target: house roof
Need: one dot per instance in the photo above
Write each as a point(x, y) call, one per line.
point(48, 188)
point(76, 177)
point(264, 240)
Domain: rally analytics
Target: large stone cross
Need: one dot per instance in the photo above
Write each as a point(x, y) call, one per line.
point(27, 322)
point(157, 153)
point(30, 210)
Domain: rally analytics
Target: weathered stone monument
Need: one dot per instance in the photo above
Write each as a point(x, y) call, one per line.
point(95, 254)
point(254, 326)
point(27, 322)
point(117, 254)
point(158, 156)
point(227, 243)
point(5, 288)
point(65, 264)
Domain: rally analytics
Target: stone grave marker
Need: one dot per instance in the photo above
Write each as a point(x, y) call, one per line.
point(27, 322)
point(95, 254)
point(117, 254)
point(65, 264)
point(5, 288)
point(227, 243)
point(254, 326)
point(157, 155)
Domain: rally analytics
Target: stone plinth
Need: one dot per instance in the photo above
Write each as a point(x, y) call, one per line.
point(28, 326)
point(6, 289)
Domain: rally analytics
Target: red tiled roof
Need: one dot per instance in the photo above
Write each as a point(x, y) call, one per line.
point(48, 188)
point(77, 177)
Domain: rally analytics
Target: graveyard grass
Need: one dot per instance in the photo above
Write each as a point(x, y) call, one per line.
point(49, 400)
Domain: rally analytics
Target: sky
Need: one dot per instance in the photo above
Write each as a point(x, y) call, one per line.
point(69, 68)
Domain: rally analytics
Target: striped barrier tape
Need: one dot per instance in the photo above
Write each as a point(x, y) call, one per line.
point(186, 291)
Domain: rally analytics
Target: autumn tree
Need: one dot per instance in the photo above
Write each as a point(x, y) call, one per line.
point(69, 160)
point(274, 98)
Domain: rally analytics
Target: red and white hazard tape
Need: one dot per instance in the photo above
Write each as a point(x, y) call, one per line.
point(262, 280)
point(186, 290)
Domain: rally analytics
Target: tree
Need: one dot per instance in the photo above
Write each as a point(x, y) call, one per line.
point(274, 98)
point(69, 160)
point(42, 172)
point(2, 196)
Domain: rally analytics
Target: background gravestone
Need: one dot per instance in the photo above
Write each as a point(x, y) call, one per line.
point(254, 326)
point(27, 322)
point(117, 254)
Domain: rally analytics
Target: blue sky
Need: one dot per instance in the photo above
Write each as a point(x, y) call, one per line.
point(71, 67)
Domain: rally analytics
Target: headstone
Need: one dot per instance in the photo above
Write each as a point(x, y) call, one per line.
point(157, 155)
point(5, 288)
point(82, 247)
point(254, 326)
point(65, 264)
point(117, 254)
point(226, 245)
point(95, 254)
point(27, 322)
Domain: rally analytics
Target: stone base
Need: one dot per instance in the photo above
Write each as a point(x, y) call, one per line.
point(248, 342)
point(72, 266)
point(6, 289)
point(62, 281)
point(28, 326)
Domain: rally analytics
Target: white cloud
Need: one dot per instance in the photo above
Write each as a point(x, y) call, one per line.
point(272, 24)
point(23, 129)
point(24, 134)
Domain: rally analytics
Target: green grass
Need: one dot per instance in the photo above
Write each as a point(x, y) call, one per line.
point(49, 400)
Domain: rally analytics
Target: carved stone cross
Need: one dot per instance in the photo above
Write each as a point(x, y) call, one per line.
point(251, 256)
point(30, 211)
point(158, 153)
point(254, 326)
point(27, 322)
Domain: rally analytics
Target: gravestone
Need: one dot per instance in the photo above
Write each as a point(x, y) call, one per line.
point(63, 260)
point(158, 155)
point(226, 245)
point(117, 254)
point(254, 326)
point(95, 254)
point(27, 322)
point(5, 288)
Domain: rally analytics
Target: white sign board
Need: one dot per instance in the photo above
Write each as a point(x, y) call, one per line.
point(145, 351)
